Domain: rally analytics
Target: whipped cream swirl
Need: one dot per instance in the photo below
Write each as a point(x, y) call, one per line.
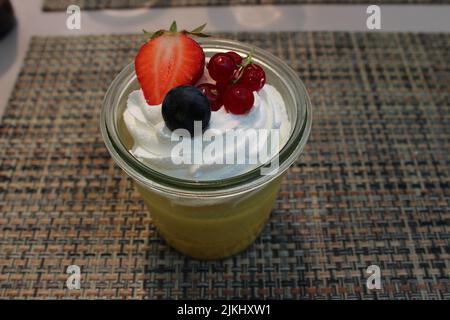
point(154, 143)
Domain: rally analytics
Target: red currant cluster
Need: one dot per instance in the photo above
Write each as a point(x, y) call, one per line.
point(236, 79)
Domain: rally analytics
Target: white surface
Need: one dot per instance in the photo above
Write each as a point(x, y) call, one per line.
point(33, 21)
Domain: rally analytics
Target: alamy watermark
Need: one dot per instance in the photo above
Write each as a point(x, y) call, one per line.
point(373, 282)
point(73, 281)
point(374, 279)
point(373, 21)
point(73, 21)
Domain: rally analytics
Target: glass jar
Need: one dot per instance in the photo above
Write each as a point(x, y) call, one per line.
point(210, 219)
point(7, 19)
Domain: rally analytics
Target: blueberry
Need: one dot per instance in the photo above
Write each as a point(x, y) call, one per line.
point(183, 105)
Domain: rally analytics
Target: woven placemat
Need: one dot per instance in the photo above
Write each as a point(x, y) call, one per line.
point(371, 188)
point(61, 5)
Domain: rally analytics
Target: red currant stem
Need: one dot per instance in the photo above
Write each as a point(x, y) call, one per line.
point(247, 60)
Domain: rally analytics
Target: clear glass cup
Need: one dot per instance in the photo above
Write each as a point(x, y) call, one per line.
point(209, 219)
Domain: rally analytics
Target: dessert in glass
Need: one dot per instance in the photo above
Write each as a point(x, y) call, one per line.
point(204, 209)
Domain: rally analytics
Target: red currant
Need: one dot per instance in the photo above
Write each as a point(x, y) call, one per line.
point(212, 93)
point(222, 87)
point(221, 67)
point(236, 57)
point(238, 99)
point(253, 77)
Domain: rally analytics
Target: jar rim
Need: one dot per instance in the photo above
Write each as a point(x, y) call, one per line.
point(240, 183)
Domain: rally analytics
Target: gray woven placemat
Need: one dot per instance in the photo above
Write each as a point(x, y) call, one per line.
point(371, 188)
point(61, 5)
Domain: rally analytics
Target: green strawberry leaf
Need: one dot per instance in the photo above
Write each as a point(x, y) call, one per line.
point(173, 27)
point(200, 34)
point(199, 29)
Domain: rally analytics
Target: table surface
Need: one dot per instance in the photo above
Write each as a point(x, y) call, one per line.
point(33, 21)
point(371, 188)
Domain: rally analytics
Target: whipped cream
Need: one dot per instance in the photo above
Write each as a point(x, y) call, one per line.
point(153, 143)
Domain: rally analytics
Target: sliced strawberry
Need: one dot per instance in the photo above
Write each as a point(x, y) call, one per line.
point(168, 60)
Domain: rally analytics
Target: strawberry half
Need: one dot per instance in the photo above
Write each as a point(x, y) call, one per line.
point(169, 59)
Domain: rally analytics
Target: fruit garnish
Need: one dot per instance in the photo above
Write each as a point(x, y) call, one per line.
point(212, 93)
point(238, 99)
point(235, 82)
point(168, 59)
point(246, 62)
point(222, 87)
point(222, 67)
point(236, 57)
point(183, 105)
point(253, 77)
